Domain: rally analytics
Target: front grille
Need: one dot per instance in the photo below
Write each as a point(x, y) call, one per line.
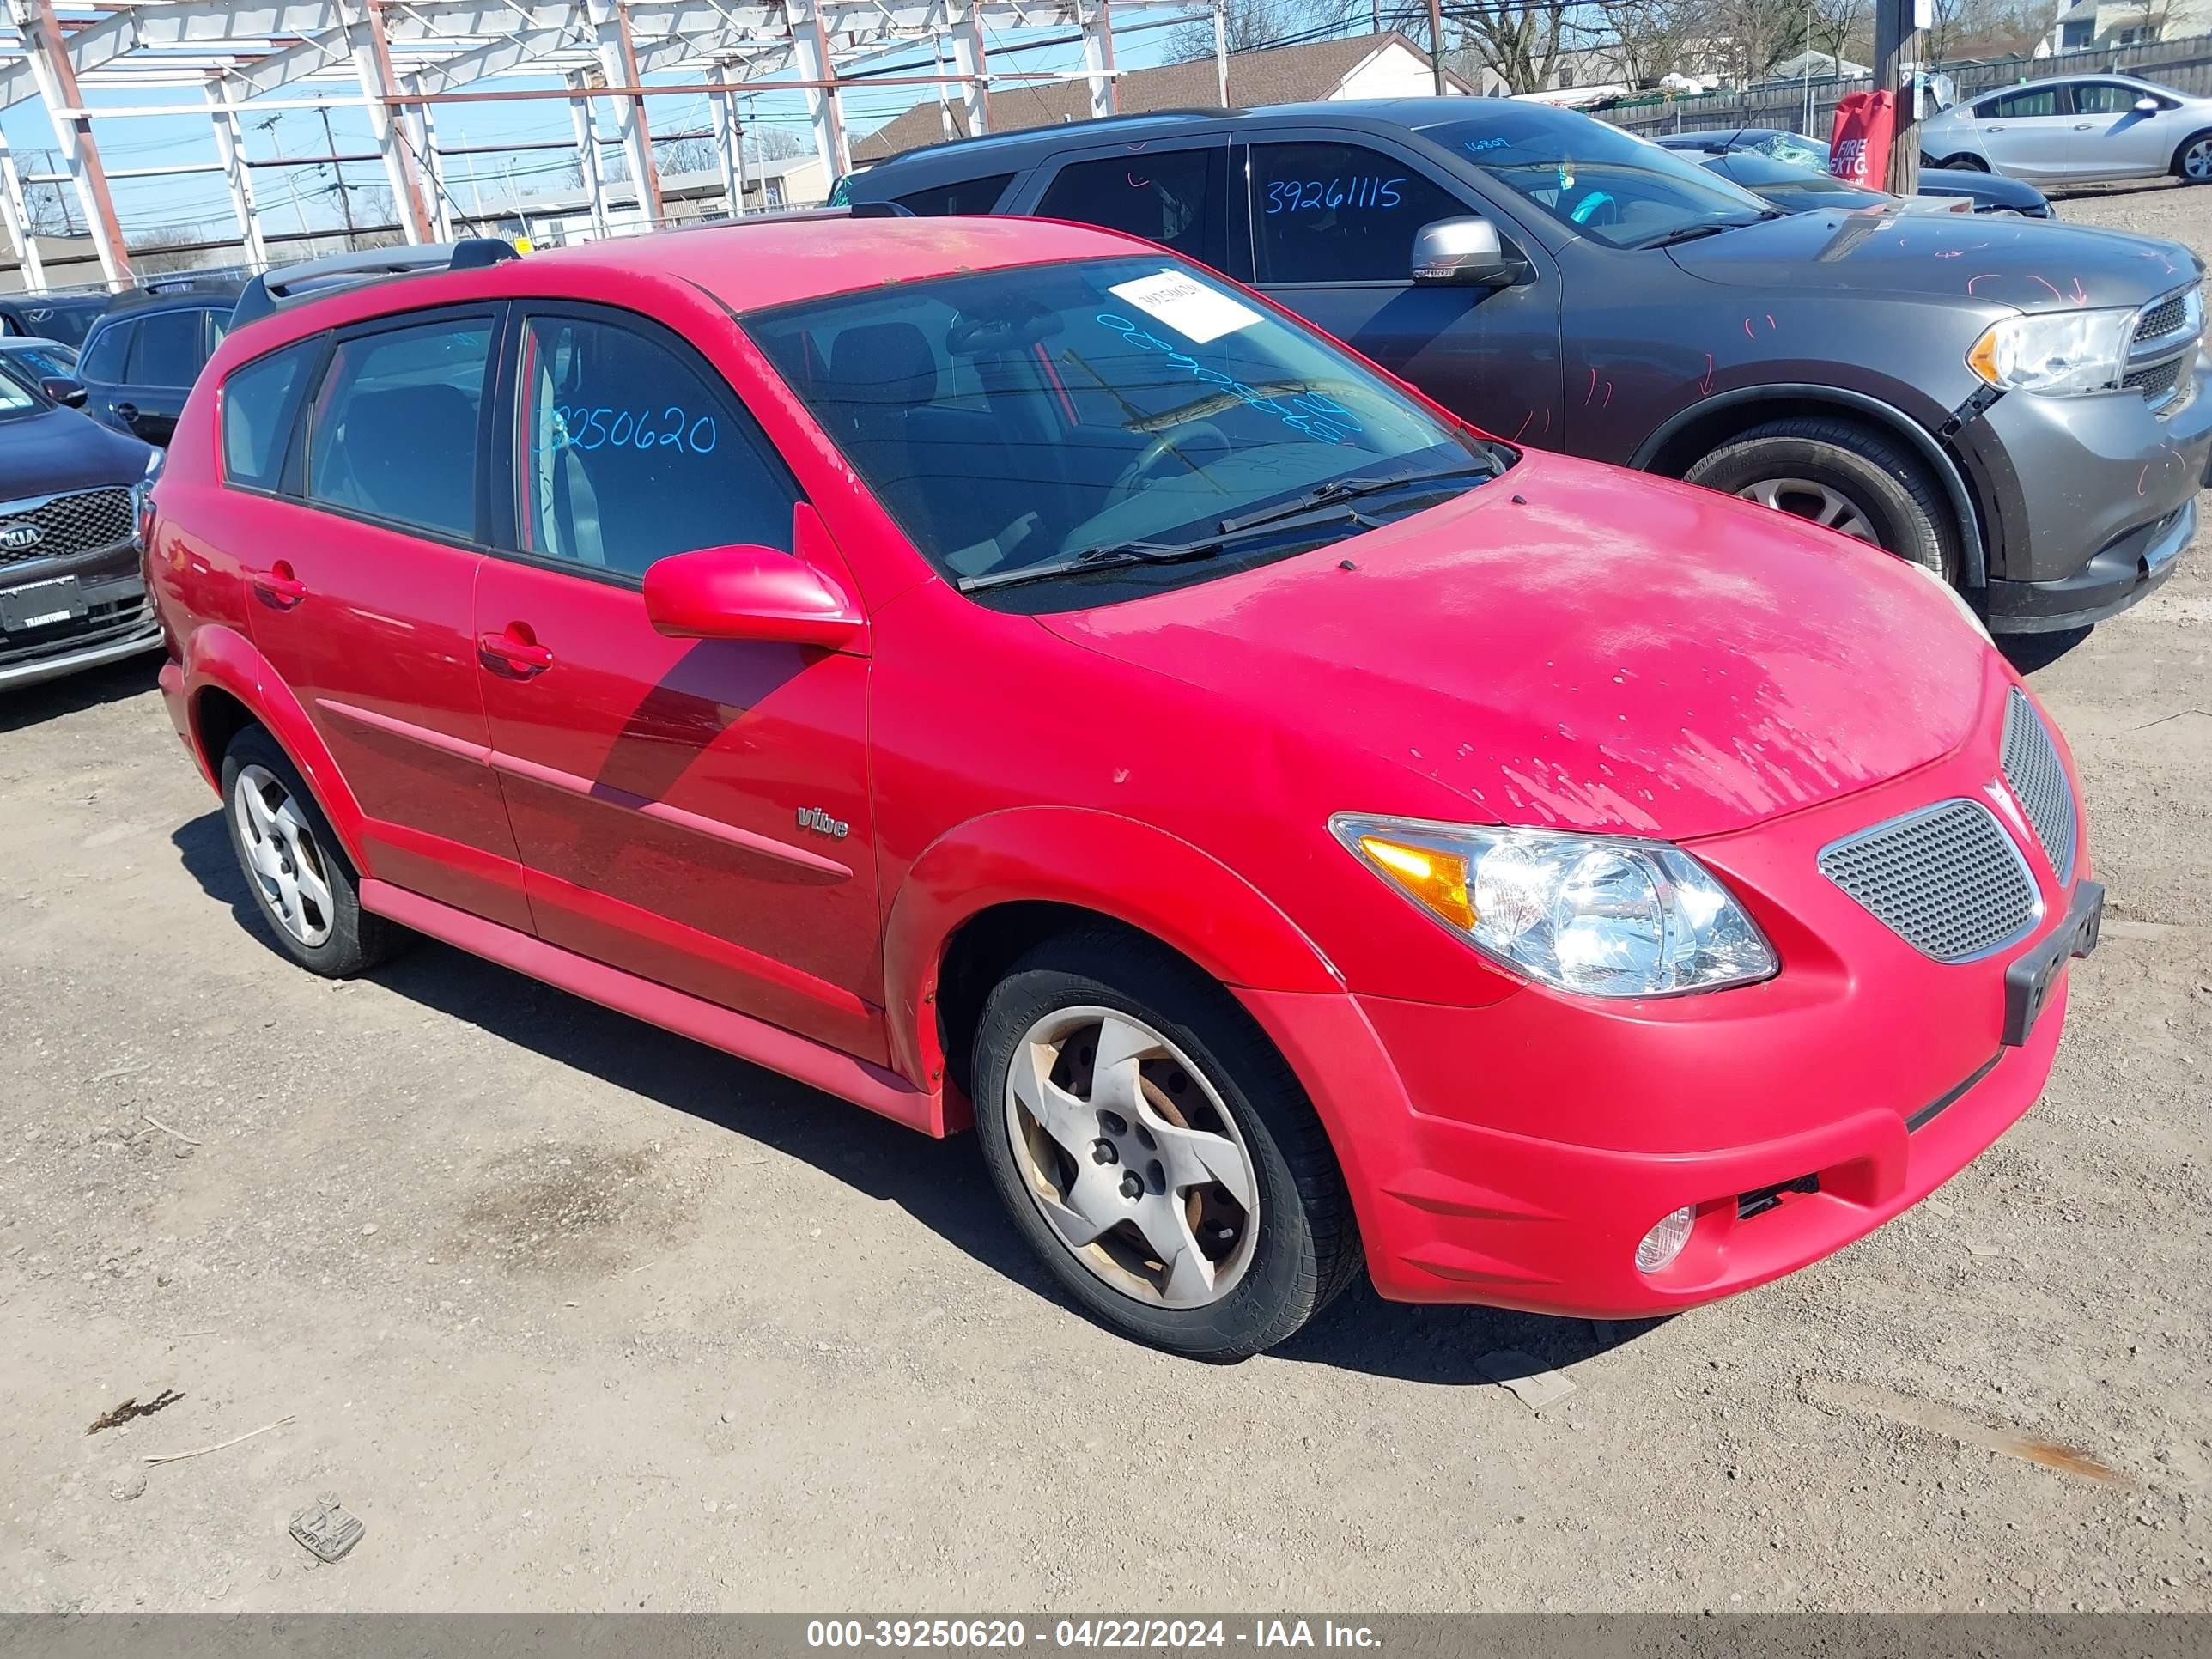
point(2037, 782)
point(2156, 384)
point(2166, 316)
point(84, 522)
point(1946, 879)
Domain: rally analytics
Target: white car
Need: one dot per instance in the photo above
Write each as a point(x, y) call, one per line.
point(2077, 129)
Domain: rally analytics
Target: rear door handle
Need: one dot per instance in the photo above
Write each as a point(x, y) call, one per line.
point(2083, 126)
point(514, 651)
point(279, 587)
point(126, 413)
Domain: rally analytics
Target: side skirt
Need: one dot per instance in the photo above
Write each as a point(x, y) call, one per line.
point(718, 1027)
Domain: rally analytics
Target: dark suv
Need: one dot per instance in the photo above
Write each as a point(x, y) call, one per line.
point(141, 359)
point(2012, 407)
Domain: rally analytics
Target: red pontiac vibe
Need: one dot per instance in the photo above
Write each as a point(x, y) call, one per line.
point(1003, 675)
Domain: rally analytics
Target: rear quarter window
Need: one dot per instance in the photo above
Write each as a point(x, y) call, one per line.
point(104, 357)
point(259, 403)
point(967, 196)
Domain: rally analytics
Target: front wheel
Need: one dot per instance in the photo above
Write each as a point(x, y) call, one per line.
point(1844, 476)
point(1156, 1151)
point(2192, 162)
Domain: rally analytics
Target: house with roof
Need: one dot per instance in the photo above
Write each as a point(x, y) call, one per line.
point(1385, 66)
point(2101, 23)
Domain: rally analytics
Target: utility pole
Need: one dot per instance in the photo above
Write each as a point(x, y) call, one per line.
point(1436, 44)
point(337, 175)
point(1895, 23)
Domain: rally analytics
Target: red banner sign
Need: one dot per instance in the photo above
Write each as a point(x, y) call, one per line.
point(1859, 144)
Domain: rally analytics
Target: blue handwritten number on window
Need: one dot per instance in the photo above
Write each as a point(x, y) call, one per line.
point(580, 427)
point(1319, 418)
point(1299, 195)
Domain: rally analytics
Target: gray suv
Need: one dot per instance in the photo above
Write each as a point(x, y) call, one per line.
point(2015, 407)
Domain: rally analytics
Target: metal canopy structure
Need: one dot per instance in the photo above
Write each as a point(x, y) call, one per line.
point(401, 60)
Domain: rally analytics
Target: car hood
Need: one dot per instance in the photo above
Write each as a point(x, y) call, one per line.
point(51, 450)
point(2029, 265)
point(1581, 647)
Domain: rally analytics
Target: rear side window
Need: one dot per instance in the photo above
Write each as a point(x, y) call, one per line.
point(169, 350)
point(257, 401)
point(1337, 213)
point(968, 195)
point(628, 451)
point(104, 361)
point(393, 434)
point(1171, 196)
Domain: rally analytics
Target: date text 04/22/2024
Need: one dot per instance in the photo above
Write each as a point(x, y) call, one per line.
point(1085, 1635)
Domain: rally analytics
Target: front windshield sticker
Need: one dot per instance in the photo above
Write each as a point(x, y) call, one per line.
point(1197, 313)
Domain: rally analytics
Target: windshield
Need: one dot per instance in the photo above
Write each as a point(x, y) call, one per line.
point(42, 360)
point(1597, 180)
point(1806, 154)
point(1025, 418)
point(65, 320)
point(1759, 171)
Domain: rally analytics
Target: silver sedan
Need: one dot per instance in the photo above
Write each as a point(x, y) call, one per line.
point(2077, 129)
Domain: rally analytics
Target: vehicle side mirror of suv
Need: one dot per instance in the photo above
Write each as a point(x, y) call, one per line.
point(2147, 107)
point(1465, 252)
point(747, 592)
point(63, 390)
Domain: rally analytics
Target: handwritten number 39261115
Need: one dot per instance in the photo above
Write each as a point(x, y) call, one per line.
point(1296, 195)
point(580, 427)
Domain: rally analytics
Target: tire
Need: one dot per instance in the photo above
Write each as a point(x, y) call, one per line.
point(1964, 163)
point(1891, 499)
point(1192, 1054)
point(2192, 159)
point(302, 883)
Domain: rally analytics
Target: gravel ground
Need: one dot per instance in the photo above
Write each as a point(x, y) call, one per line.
point(575, 1314)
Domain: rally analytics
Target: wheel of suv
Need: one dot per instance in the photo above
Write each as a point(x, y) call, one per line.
point(1845, 477)
point(1156, 1151)
point(2192, 161)
point(297, 873)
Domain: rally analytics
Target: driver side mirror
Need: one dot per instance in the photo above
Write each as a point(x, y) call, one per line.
point(747, 592)
point(2147, 107)
point(1465, 252)
point(64, 390)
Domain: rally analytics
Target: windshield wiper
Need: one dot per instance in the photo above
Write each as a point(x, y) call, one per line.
point(1690, 232)
point(1345, 489)
point(1097, 558)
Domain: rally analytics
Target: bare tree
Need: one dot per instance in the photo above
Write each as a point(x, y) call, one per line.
point(1648, 38)
point(1519, 41)
point(683, 155)
point(1248, 25)
point(771, 143)
point(170, 249)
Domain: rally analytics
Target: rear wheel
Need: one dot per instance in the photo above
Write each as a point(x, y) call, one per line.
point(1963, 163)
point(293, 866)
point(1844, 476)
point(2192, 162)
point(1156, 1151)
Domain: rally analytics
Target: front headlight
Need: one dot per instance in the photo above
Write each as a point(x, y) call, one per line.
point(2060, 353)
point(1595, 914)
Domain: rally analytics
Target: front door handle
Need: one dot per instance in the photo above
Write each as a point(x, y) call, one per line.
point(2083, 126)
point(127, 413)
point(515, 651)
point(278, 586)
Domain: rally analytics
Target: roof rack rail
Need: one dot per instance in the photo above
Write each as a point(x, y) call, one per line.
point(316, 277)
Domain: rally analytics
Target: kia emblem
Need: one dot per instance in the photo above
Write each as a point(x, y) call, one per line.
point(17, 538)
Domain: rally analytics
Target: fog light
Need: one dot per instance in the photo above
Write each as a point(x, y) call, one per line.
point(1664, 1242)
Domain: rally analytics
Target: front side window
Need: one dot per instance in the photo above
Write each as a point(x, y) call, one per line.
point(392, 432)
point(2106, 98)
point(965, 196)
point(1170, 197)
point(627, 452)
point(16, 398)
point(168, 351)
point(104, 361)
point(1598, 180)
point(1339, 213)
point(257, 401)
point(1113, 410)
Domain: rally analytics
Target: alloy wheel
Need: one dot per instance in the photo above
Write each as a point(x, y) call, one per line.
point(1132, 1159)
point(2197, 161)
point(282, 855)
point(1815, 502)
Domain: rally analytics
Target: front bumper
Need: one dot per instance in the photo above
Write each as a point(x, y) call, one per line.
point(1515, 1154)
point(119, 623)
point(2089, 501)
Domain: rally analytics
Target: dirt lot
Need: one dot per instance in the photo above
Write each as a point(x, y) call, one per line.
point(575, 1315)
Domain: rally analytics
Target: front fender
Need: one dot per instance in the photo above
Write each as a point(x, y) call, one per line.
point(222, 659)
point(1117, 867)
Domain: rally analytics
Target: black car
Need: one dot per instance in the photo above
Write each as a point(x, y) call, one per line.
point(140, 358)
point(71, 594)
point(1742, 153)
point(65, 316)
point(2022, 421)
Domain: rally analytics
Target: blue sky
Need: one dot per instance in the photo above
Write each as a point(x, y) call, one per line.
point(285, 196)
